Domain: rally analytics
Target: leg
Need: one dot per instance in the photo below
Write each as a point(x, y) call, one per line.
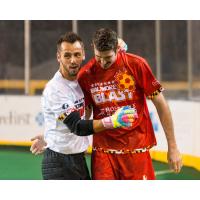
point(103, 166)
point(57, 166)
point(75, 167)
point(52, 167)
point(136, 166)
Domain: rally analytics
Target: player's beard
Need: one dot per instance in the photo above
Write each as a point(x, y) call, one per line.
point(106, 66)
point(72, 70)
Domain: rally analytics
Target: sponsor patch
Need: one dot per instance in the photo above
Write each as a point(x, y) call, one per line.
point(65, 106)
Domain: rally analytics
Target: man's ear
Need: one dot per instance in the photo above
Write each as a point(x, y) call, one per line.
point(83, 54)
point(58, 56)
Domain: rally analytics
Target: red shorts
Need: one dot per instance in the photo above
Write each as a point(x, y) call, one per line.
point(107, 166)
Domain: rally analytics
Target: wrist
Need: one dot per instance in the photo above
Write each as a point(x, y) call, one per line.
point(172, 146)
point(107, 122)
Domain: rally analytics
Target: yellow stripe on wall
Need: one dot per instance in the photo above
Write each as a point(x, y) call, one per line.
point(188, 160)
point(15, 143)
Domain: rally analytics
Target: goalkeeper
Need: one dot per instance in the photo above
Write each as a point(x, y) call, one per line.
point(112, 79)
point(63, 108)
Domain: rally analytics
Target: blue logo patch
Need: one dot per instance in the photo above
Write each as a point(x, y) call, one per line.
point(39, 119)
point(65, 106)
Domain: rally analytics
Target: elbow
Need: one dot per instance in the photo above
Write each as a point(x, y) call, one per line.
point(84, 128)
point(77, 126)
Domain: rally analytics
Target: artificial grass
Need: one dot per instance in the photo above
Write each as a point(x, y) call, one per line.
point(17, 163)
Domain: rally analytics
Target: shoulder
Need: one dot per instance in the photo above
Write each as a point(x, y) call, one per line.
point(49, 89)
point(53, 87)
point(135, 63)
point(135, 59)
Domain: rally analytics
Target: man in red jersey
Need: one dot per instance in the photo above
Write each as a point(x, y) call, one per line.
point(113, 79)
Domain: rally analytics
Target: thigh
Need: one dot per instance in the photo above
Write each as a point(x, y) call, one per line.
point(136, 166)
point(103, 166)
point(75, 167)
point(52, 166)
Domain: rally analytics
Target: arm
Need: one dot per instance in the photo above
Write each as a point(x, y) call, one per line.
point(98, 126)
point(122, 46)
point(174, 157)
point(38, 142)
point(123, 117)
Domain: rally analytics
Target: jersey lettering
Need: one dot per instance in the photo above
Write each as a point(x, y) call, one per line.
point(110, 96)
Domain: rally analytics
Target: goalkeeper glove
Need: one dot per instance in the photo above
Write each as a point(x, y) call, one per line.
point(124, 116)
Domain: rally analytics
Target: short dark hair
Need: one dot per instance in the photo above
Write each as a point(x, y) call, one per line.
point(69, 37)
point(105, 39)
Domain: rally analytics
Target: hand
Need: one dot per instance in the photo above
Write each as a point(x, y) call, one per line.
point(38, 145)
point(123, 117)
point(122, 46)
point(174, 160)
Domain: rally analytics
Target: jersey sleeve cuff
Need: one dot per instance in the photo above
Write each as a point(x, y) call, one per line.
point(155, 93)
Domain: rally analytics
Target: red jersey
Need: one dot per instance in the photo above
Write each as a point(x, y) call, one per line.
point(127, 82)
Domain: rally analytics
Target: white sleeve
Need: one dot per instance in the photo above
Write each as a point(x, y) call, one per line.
point(58, 103)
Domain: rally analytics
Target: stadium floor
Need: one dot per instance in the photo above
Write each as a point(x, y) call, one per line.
point(17, 163)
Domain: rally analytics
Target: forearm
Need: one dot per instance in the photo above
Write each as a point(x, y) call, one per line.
point(82, 127)
point(168, 127)
point(98, 126)
point(173, 155)
point(166, 120)
point(122, 117)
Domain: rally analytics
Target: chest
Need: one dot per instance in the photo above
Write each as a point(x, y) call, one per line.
point(116, 84)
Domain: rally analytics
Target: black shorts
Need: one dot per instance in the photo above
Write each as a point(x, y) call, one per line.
point(57, 166)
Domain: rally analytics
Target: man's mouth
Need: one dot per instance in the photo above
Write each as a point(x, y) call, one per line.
point(106, 65)
point(74, 67)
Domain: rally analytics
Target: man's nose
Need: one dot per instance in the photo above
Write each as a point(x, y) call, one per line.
point(73, 59)
point(102, 61)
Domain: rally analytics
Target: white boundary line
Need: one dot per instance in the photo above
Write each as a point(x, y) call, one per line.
point(161, 172)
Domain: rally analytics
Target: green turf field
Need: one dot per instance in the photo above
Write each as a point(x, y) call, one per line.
point(19, 164)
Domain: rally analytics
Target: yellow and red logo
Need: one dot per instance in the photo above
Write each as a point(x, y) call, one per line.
point(125, 81)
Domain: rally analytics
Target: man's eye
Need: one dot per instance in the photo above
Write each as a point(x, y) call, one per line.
point(67, 55)
point(78, 55)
